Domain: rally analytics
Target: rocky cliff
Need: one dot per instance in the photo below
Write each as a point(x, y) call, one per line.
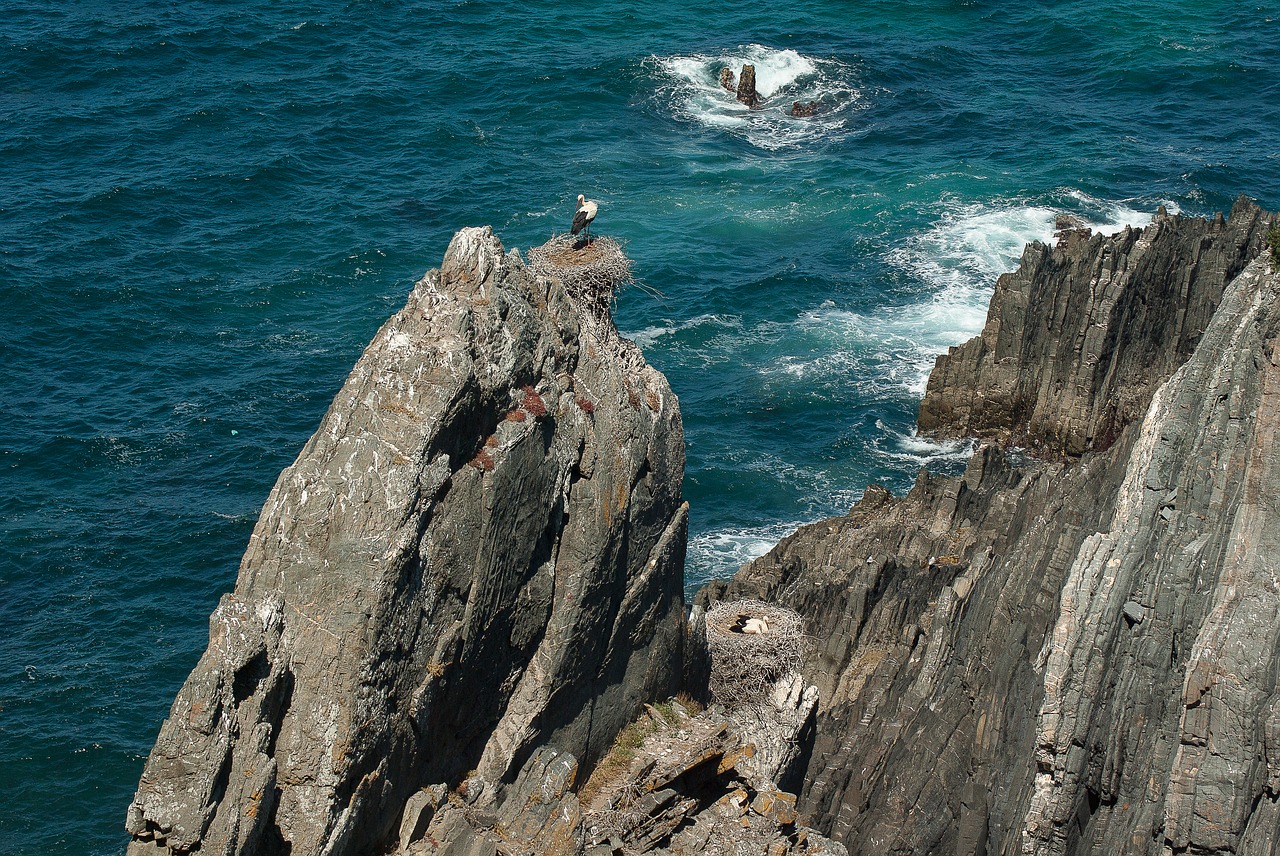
point(469, 582)
point(477, 556)
point(1073, 650)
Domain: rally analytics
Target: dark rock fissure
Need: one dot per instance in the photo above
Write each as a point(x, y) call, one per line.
point(276, 707)
point(249, 677)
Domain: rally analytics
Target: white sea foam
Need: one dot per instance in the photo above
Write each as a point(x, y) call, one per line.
point(238, 518)
point(893, 349)
point(919, 451)
point(1107, 218)
point(864, 350)
point(956, 261)
point(718, 555)
point(690, 89)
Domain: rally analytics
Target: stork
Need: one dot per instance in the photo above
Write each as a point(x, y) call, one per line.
point(747, 624)
point(582, 218)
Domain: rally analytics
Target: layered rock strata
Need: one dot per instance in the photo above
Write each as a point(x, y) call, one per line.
point(1076, 652)
point(477, 556)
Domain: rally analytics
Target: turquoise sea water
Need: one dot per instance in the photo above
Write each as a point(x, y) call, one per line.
point(207, 208)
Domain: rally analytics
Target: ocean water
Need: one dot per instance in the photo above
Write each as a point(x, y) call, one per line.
point(207, 209)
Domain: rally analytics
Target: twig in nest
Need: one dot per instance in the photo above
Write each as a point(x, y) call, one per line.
point(649, 290)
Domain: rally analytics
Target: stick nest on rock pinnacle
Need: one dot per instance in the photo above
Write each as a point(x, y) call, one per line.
point(752, 644)
point(592, 273)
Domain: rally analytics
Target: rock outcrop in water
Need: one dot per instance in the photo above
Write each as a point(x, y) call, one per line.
point(1075, 652)
point(476, 558)
point(746, 93)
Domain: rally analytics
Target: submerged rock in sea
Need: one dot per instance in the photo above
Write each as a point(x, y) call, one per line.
point(1074, 652)
point(478, 556)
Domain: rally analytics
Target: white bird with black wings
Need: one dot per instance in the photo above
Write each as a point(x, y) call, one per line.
point(582, 218)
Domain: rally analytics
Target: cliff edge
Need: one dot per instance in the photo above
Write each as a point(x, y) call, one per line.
point(478, 555)
point(1076, 649)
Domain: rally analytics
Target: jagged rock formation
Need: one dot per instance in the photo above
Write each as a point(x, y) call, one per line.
point(477, 556)
point(469, 582)
point(1078, 652)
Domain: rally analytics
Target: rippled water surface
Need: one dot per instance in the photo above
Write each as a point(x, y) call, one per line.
point(206, 209)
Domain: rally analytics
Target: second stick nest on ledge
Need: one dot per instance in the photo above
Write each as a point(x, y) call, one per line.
point(592, 273)
point(752, 644)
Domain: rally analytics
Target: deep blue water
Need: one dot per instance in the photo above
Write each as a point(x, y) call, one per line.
point(207, 208)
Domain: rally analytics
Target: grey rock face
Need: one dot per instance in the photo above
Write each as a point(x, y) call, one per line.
point(478, 554)
point(1181, 702)
point(1067, 655)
